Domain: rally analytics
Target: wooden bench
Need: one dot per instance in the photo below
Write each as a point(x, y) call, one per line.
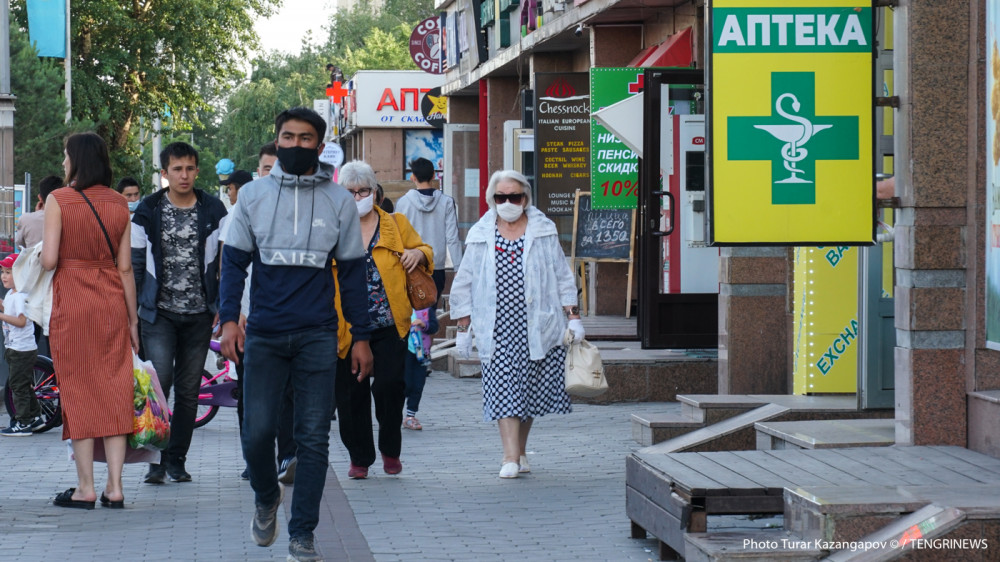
point(670, 495)
point(825, 434)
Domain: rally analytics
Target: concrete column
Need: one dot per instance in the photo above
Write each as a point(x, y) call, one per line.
point(463, 109)
point(615, 45)
point(753, 331)
point(932, 64)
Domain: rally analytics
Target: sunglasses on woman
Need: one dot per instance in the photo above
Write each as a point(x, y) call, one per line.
point(514, 198)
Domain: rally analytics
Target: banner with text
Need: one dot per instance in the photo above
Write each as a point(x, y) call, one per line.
point(792, 138)
point(562, 139)
point(614, 167)
point(825, 326)
point(392, 98)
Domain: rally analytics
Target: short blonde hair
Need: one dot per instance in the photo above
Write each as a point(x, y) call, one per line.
point(502, 175)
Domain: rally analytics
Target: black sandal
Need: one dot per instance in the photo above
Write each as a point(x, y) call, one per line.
point(105, 502)
point(65, 499)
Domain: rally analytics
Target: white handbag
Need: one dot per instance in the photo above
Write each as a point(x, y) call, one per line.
point(584, 369)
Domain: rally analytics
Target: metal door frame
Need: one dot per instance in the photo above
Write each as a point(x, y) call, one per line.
point(877, 348)
point(665, 320)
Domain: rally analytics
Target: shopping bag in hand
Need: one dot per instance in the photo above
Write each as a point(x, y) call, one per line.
point(151, 426)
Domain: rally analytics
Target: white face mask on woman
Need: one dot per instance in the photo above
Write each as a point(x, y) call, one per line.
point(509, 212)
point(365, 205)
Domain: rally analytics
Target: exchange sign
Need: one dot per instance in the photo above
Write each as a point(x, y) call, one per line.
point(791, 114)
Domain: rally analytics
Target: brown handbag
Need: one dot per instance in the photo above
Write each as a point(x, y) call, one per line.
point(421, 289)
point(420, 285)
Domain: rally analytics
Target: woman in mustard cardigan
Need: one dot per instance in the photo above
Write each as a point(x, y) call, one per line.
point(392, 248)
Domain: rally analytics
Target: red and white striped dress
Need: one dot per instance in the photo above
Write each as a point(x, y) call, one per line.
point(88, 329)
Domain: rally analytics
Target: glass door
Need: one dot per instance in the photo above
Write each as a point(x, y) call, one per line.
point(461, 172)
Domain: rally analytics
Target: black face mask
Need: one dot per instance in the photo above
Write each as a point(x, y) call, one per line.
point(297, 160)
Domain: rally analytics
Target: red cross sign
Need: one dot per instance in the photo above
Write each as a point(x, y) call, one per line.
point(634, 87)
point(336, 92)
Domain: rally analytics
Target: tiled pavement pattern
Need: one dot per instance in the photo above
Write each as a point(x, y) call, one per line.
point(447, 504)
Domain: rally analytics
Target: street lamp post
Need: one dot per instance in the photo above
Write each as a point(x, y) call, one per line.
point(6, 128)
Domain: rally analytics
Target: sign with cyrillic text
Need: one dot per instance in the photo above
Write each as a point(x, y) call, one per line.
point(392, 98)
point(614, 167)
point(791, 139)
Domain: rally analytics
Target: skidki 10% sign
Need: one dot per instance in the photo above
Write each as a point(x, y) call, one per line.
point(614, 168)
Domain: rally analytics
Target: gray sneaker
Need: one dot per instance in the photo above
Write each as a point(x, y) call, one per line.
point(264, 527)
point(302, 549)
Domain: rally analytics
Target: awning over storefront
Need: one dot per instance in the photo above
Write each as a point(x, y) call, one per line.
point(676, 51)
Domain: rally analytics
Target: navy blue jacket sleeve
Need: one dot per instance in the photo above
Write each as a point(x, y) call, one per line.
point(234, 275)
point(352, 277)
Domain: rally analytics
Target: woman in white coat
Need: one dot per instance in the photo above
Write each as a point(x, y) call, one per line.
point(516, 291)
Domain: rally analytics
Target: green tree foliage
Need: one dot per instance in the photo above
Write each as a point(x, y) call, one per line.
point(249, 122)
point(351, 29)
point(137, 59)
point(40, 110)
point(278, 81)
point(383, 50)
point(368, 39)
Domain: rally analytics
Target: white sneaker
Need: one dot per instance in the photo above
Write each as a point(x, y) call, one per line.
point(509, 470)
point(524, 466)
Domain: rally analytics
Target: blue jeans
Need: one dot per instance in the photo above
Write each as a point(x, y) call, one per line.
point(308, 362)
point(177, 344)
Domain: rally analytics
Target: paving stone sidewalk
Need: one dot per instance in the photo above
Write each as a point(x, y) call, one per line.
point(448, 503)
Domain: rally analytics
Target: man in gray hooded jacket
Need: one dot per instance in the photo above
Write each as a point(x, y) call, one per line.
point(434, 217)
point(291, 225)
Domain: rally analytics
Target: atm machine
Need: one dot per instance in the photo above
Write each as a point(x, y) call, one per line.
point(689, 264)
point(678, 271)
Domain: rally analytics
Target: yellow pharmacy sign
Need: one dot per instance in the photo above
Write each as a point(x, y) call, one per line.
point(790, 117)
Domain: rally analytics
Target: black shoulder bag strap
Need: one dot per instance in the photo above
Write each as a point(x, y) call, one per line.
point(107, 238)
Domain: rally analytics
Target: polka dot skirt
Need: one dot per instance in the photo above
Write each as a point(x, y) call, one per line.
point(514, 385)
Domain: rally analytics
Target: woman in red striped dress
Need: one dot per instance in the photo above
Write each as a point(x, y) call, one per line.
point(93, 324)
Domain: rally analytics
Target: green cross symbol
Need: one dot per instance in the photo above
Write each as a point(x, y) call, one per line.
point(793, 138)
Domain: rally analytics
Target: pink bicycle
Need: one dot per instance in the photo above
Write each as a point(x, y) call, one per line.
point(216, 391)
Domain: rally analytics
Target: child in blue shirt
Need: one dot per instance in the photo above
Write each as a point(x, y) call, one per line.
point(418, 356)
point(20, 353)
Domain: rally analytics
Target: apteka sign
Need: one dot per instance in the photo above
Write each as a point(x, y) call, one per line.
point(392, 98)
point(791, 119)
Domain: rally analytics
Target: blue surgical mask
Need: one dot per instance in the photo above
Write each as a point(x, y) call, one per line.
point(132, 206)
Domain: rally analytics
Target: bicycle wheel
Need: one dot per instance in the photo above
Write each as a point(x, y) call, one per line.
point(205, 411)
point(46, 392)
